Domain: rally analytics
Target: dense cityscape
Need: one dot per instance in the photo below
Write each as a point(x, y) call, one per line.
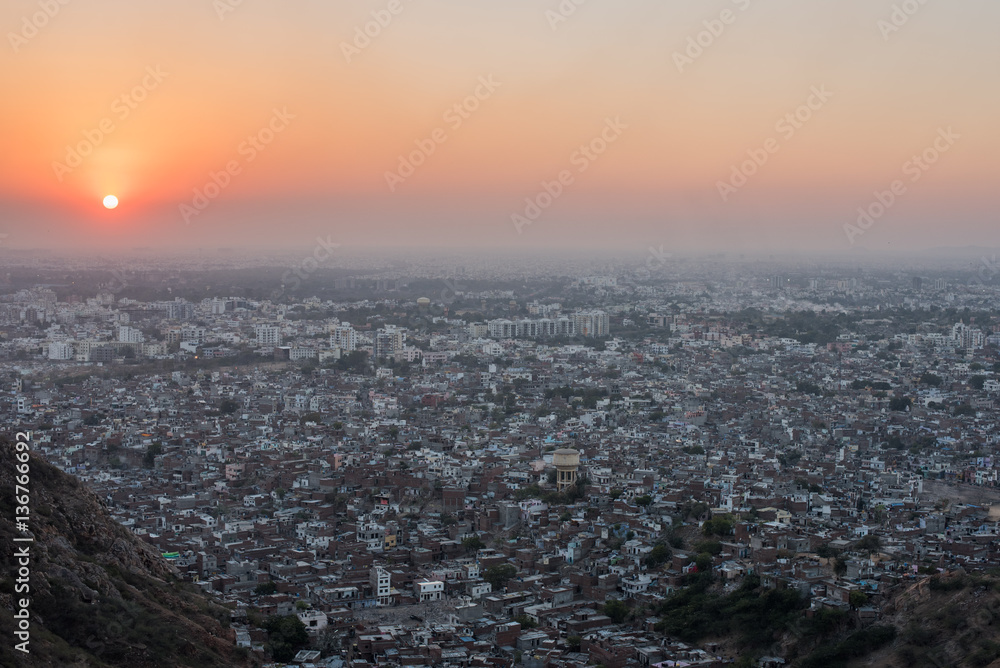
point(654, 461)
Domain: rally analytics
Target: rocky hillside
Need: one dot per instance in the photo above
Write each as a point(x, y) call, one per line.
point(947, 620)
point(99, 595)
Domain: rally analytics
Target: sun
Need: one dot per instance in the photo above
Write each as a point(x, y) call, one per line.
point(110, 202)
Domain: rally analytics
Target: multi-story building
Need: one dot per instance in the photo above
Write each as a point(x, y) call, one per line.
point(591, 323)
point(267, 335)
point(388, 342)
point(381, 581)
point(177, 310)
point(530, 328)
point(428, 590)
point(343, 336)
point(194, 334)
point(60, 350)
point(128, 334)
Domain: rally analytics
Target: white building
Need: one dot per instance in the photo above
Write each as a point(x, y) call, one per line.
point(194, 334)
point(591, 323)
point(314, 620)
point(128, 334)
point(267, 335)
point(61, 351)
point(381, 581)
point(428, 590)
point(530, 328)
point(343, 336)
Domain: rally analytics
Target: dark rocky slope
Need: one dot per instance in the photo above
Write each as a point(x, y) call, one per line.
point(99, 595)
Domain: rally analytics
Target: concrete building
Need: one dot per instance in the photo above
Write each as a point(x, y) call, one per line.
point(567, 463)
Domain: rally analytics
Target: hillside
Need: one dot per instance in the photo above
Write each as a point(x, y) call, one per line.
point(99, 595)
point(947, 620)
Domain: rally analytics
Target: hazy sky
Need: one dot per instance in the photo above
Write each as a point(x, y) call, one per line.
point(629, 124)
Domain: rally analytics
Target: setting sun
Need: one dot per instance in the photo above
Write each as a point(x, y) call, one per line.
point(110, 202)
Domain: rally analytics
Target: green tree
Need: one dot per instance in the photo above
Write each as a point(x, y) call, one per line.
point(900, 403)
point(472, 543)
point(355, 361)
point(499, 575)
point(615, 610)
point(931, 379)
point(659, 555)
point(286, 636)
point(721, 525)
point(857, 599)
point(265, 588)
point(152, 452)
point(712, 547)
point(704, 562)
point(825, 551)
point(869, 544)
point(526, 622)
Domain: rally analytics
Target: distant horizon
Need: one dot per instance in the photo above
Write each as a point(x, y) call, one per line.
point(841, 126)
point(662, 254)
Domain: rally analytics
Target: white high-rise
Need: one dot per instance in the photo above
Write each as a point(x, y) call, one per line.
point(591, 323)
point(130, 335)
point(267, 335)
point(343, 336)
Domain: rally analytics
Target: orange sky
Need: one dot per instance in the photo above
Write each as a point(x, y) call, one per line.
point(162, 95)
